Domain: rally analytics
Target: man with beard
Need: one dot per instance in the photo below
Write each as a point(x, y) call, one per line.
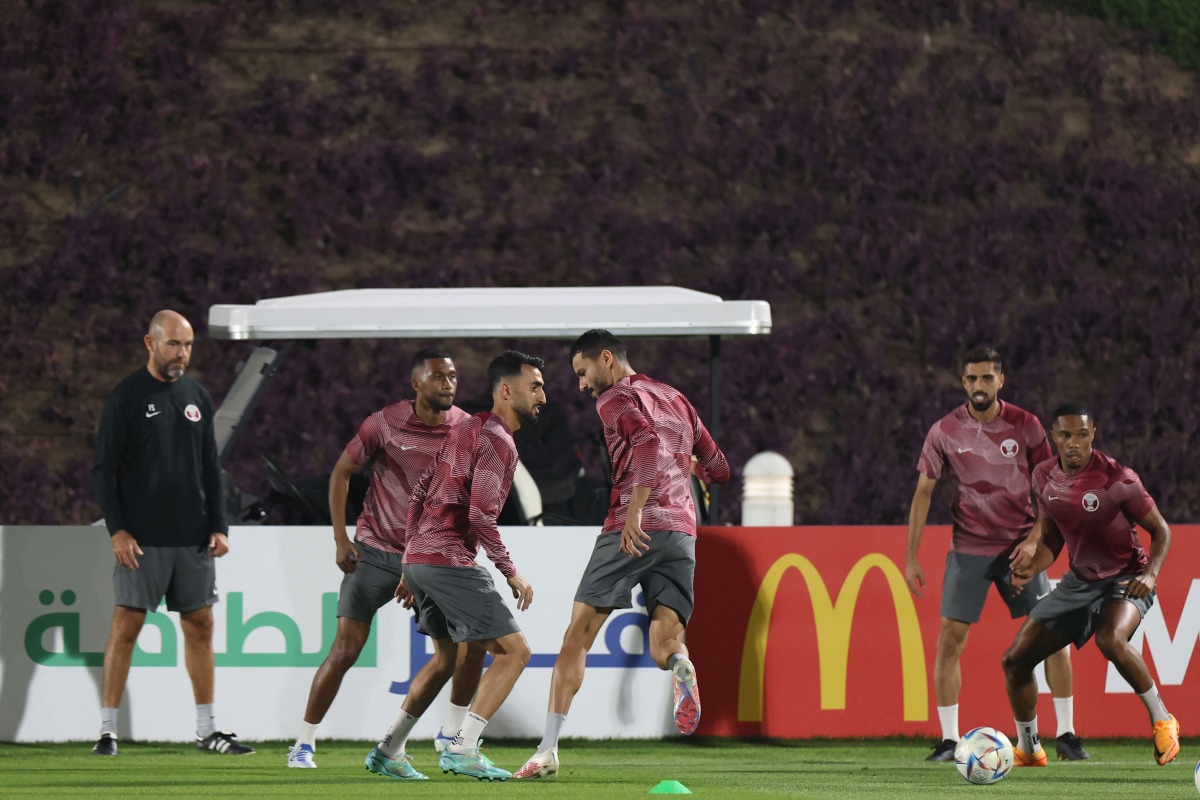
point(158, 479)
point(452, 513)
point(655, 439)
point(992, 448)
point(397, 444)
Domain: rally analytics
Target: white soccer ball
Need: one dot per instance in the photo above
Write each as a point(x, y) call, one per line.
point(983, 755)
point(1198, 776)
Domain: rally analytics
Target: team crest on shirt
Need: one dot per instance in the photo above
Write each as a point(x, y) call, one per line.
point(192, 412)
point(1091, 501)
point(1009, 448)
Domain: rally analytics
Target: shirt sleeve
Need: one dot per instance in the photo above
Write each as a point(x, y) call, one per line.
point(110, 441)
point(710, 461)
point(367, 441)
point(1128, 490)
point(931, 460)
point(630, 422)
point(1036, 443)
point(1037, 482)
point(491, 480)
point(214, 484)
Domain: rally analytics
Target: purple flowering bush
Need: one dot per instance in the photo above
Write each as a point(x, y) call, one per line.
point(901, 180)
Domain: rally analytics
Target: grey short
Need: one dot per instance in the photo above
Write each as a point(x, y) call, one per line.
point(1076, 607)
point(968, 578)
point(665, 573)
point(372, 583)
point(187, 576)
point(459, 603)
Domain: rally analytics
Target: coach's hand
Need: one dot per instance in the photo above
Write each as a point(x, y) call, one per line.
point(522, 591)
point(125, 549)
point(218, 545)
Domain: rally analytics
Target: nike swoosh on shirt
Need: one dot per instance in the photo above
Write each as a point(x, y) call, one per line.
point(408, 447)
point(154, 414)
point(1040, 596)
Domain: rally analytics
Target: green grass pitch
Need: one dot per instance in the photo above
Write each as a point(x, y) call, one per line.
point(716, 768)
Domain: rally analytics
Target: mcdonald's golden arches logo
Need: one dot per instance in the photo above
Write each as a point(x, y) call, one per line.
point(834, 620)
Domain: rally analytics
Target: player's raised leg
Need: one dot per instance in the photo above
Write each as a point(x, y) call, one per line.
point(669, 652)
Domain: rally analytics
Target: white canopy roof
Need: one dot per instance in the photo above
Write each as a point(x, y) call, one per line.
point(542, 312)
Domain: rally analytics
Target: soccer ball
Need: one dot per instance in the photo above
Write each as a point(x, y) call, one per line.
point(1198, 776)
point(984, 755)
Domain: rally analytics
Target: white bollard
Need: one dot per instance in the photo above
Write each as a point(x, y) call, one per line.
point(767, 499)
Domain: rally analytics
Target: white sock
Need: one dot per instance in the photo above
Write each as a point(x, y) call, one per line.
point(108, 721)
point(467, 740)
point(1027, 737)
point(394, 741)
point(554, 726)
point(1154, 704)
point(205, 721)
point(454, 719)
point(1064, 715)
point(308, 734)
point(948, 716)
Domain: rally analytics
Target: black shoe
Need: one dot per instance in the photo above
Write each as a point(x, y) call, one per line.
point(943, 750)
point(224, 742)
point(1070, 747)
point(106, 745)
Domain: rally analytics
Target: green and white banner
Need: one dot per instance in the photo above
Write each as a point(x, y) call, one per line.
point(275, 621)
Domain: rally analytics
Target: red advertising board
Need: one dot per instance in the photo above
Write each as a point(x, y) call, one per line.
point(803, 632)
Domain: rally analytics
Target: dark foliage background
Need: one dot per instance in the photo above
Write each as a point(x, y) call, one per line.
point(901, 179)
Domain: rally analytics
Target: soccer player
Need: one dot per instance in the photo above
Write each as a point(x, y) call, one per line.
point(648, 537)
point(398, 444)
point(992, 447)
point(158, 480)
point(1091, 503)
point(452, 513)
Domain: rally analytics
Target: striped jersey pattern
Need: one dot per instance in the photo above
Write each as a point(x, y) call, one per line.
point(993, 461)
point(399, 447)
point(457, 501)
point(1095, 509)
point(652, 432)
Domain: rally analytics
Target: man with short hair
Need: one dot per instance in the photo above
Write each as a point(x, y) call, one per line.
point(655, 439)
point(452, 513)
point(157, 476)
point(1091, 503)
point(397, 444)
point(992, 447)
